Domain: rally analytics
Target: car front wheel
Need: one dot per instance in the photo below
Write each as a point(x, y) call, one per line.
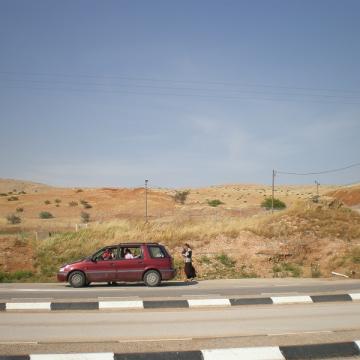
point(152, 278)
point(77, 279)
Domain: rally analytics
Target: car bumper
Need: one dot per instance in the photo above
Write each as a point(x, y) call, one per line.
point(168, 274)
point(62, 276)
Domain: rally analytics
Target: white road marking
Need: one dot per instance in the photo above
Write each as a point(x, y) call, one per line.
point(38, 290)
point(357, 342)
point(153, 340)
point(355, 296)
point(302, 333)
point(291, 299)
point(18, 342)
point(28, 306)
point(209, 302)
point(84, 356)
point(259, 353)
point(121, 305)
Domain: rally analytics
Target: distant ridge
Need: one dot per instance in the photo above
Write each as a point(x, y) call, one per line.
point(14, 185)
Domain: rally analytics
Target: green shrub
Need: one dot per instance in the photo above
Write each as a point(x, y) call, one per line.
point(355, 256)
point(215, 202)
point(181, 196)
point(57, 201)
point(47, 202)
point(205, 260)
point(13, 198)
point(15, 276)
point(85, 217)
point(73, 203)
point(3, 194)
point(226, 260)
point(46, 215)
point(79, 190)
point(19, 209)
point(278, 204)
point(87, 206)
point(13, 219)
point(286, 270)
point(315, 270)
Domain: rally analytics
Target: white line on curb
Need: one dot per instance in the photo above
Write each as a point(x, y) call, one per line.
point(121, 305)
point(85, 356)
point(291, 299)
point(28, 306)
point(355, 296)
point(357, 342)
point(260, 353)
point(209, 302)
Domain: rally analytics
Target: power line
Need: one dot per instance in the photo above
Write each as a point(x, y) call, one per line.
point(213, 96)
point(319, 172)
point(250, 92)
point(149, 79)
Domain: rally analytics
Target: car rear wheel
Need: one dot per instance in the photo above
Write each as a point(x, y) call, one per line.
point(77, 279)
point(152, 278)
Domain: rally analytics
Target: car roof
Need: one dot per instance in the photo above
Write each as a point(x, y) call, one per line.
point(133, 244)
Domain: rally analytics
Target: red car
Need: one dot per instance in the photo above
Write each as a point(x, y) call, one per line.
point(128, 262)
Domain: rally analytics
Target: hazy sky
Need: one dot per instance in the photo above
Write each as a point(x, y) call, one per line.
point(183, 93)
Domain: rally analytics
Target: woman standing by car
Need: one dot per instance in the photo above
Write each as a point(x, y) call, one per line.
point(188, 268)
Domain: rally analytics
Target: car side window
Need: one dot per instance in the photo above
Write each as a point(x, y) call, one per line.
point(106, 254)
point(130, 252)
point(156, 252)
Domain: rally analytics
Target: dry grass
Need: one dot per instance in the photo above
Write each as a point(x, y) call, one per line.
point(311, 220)
point(236, 239)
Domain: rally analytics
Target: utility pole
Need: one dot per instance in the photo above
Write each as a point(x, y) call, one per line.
point(273, 190)
point(317, 188)
point(146, 210)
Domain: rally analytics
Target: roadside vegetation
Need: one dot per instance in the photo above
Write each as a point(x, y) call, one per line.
point(303, 239)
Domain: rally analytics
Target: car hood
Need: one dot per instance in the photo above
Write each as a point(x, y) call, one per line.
point(75, 262)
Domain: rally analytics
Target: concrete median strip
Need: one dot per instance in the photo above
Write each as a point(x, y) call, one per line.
point(172, 304)
point(330, 350)
point(291, 299)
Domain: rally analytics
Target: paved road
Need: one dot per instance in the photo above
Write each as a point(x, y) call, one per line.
point(167, 330)
point(179, 290)
point(169, 324)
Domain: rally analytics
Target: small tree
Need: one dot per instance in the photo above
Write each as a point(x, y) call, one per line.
point(85, 217)
point(215, 202)
point(278, 204)
point(46, 215)
point(181, 196)
point(13, 219)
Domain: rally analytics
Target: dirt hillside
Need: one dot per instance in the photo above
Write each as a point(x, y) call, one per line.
point(236, 238)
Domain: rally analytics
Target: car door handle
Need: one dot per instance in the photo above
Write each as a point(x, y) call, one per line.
point(140, 262)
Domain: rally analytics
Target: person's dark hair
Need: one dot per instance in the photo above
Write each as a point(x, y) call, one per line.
point(187, 245)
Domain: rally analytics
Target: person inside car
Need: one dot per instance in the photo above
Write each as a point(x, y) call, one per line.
point(107, 255)
point(128, 254)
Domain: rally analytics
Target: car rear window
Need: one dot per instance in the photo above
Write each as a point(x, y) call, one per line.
point(156, 252)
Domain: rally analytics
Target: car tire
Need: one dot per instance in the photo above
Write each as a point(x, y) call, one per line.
point(77, 279)
point(152, 278)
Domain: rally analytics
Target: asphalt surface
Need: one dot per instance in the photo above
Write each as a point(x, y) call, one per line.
point(179, 290)
point(149, 330)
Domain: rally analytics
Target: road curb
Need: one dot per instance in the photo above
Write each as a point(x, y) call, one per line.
point(330, 350)
point(171, 304)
